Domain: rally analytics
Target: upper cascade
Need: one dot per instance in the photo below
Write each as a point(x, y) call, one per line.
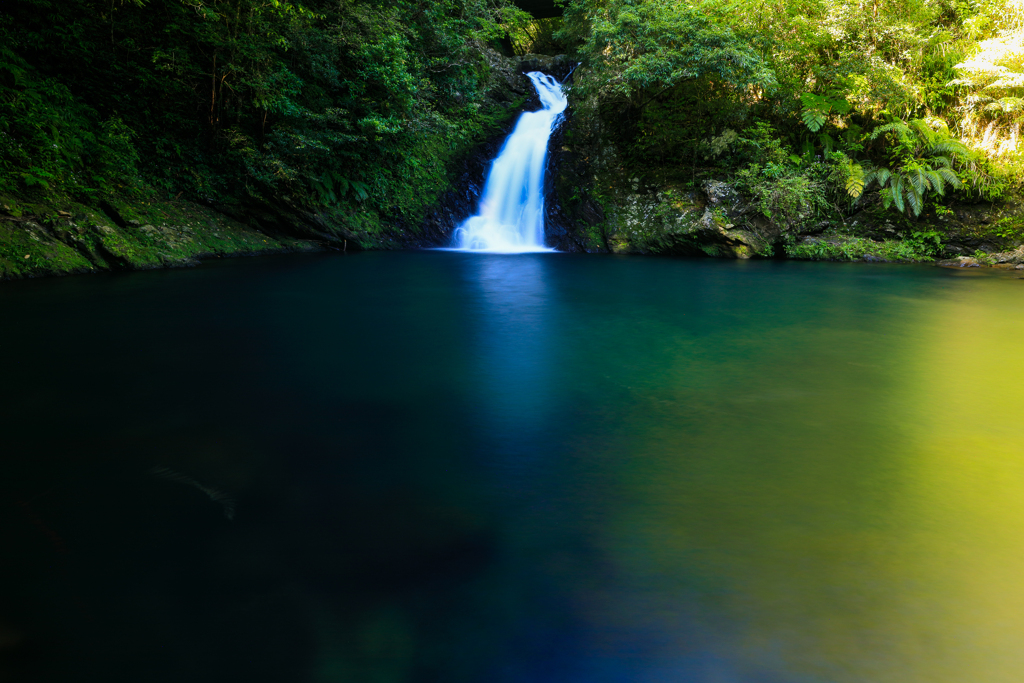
point(510, 218)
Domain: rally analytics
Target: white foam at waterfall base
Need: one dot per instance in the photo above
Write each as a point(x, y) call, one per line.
point(510, 218)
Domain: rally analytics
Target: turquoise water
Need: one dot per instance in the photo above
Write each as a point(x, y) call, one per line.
point(420, 467)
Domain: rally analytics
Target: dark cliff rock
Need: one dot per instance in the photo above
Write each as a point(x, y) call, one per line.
point(574, 219)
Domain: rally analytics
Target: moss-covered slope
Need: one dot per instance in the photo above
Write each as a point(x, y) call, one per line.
point(38, 240)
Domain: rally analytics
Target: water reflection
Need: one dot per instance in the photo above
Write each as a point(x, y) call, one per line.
point(514, 469)
point(511, 313)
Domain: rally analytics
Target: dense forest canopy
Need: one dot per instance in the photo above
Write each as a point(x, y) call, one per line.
point(359, 106)
point(916, 98)
point(313, 104)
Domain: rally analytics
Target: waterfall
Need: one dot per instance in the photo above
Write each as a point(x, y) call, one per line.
point(510, 218)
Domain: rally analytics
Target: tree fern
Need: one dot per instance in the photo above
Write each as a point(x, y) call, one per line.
point(917, 181)
point(827, 143)
point(878, 175)
point(817, 109)
point(923, 130)
point(948, 147)
point(901, 129)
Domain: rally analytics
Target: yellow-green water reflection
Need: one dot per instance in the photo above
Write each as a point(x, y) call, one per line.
point(836, 502)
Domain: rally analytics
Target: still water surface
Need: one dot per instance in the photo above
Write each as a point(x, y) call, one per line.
point(419, 467)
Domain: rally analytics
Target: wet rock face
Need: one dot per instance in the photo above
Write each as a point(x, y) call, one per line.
point(961, 262)
point(707, 223)
point(130, 234)
point(559, 66)
point(573, 219)
point(729, 221)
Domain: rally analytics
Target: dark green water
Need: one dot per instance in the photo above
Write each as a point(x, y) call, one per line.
point(522, 469)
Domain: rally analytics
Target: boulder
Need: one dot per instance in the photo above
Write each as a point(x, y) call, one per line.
point(719, 193)
point(960, 262)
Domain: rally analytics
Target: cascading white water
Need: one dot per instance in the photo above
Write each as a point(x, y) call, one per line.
point(510, 218)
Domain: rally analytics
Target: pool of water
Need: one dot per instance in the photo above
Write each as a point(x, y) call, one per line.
point(419, 467)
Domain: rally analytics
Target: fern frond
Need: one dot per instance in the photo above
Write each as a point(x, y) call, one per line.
point(812, 101)
point(915, 199)
point(897, 192)
point(936, 182)
point(827, 142)
point(918, 180)
point(855, 181)
point(921, 127)
point(886, 198)
point(897, 127)
point(938, 125)
point(877, 175)
point(1012, 104)
point(813, 119)
point(948, 147)
point(950, 176)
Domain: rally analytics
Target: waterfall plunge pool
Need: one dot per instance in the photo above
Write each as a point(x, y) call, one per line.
point(514, 469)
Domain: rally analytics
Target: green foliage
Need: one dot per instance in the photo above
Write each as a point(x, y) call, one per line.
point(355, 106)
point(991, 80)
point(928, 242)
point(817, 110)
point(1009, 229)
point(856, 96)
point(844, 248)
point(922, 155)
point(635, 50)
point(854, 178)
point(48, 139)
point(786, 189)
point(530, 36)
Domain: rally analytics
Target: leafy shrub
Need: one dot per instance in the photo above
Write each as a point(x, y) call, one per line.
point(786, 188)
point(49, 140)
point(857, 248)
